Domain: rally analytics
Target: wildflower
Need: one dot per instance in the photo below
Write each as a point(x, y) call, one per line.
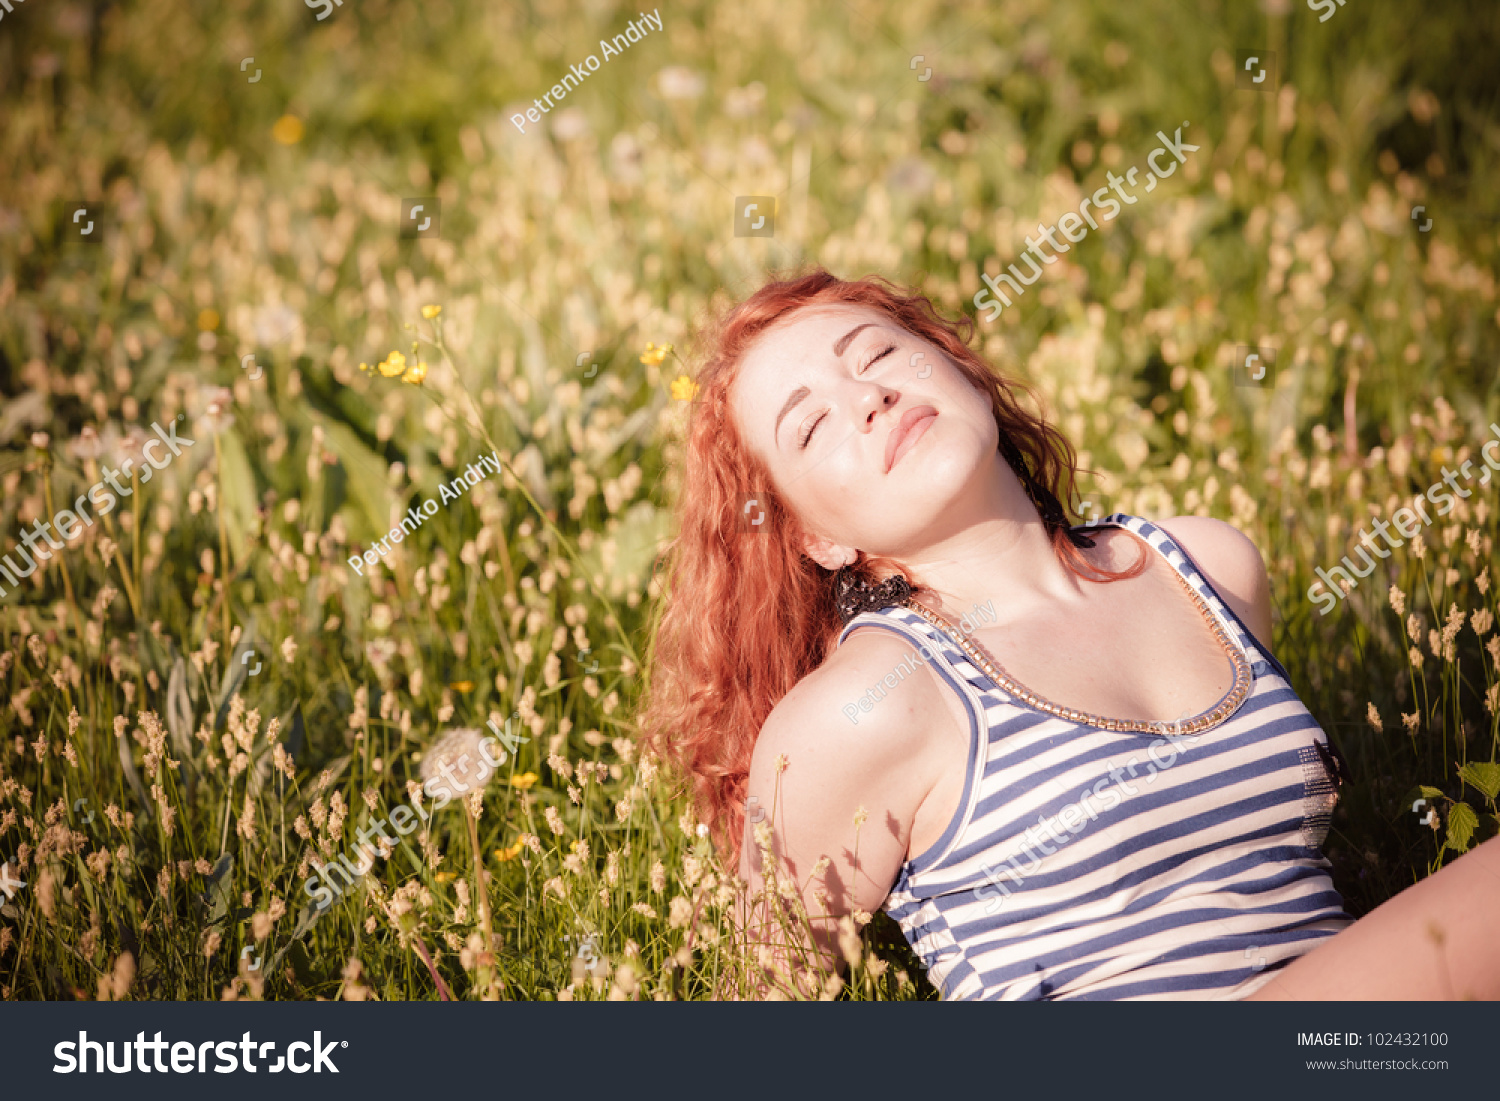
point(453, 752)
point(1398, 601)
point(1482, 621)
point(861, 816)
point(218, 413)
point(288, 130)
point(415, 374)
point(684, 388)
point(554, 820)
point(1415, 657)
point(1374, 717)
point(1492, 699)
point(524, 781)
point(288, 648)
point(392, 365)
point(510, 852)
point(462, 686)
point(429, 312)
point(653, 355)
point(1418, 546)
point(1412, 721)
point(658, 877)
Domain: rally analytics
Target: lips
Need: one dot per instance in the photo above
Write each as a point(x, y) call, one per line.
point(908, 430)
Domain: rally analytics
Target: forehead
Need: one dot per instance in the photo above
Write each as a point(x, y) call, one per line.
point(813, 330)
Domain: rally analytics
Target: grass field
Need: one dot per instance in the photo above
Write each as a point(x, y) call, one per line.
point(165, 793)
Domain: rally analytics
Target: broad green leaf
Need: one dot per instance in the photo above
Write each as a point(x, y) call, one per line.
point(367, 485)
point(1462, 821)
point(1430, 792)
point(1482, 776)
point(221, 881)
point(237, 489)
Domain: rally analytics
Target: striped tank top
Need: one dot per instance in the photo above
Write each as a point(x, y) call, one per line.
point(1097, 864)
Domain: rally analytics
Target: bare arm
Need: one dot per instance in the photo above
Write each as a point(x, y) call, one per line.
point(840, 801)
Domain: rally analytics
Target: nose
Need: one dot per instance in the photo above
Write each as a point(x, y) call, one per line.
point(874, 399)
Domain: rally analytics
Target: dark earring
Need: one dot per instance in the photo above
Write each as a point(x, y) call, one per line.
point(853, 594)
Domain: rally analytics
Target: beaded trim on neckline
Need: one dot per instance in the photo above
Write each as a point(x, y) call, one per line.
point(1227, 706)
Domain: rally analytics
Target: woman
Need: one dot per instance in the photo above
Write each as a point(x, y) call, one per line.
point(1063, 759)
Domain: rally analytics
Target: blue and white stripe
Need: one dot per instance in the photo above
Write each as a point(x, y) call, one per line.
point(1181, 867)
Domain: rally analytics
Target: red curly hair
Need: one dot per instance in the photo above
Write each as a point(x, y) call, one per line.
point(743, 620)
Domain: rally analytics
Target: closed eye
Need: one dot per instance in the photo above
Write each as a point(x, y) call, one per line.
point(888, 350)
point(807, 435)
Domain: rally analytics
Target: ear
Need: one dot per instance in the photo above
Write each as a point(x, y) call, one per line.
point(828, 554)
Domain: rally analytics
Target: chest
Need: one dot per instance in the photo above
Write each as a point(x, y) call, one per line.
point(1136, 649)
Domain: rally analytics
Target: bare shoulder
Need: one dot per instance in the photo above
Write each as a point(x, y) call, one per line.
point(873, 698)
point(1233, 564)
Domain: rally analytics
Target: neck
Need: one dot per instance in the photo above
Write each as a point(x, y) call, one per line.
point(1005, 557)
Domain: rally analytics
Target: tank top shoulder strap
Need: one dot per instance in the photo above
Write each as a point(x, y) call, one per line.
point(1179, 560)
point(930, 644)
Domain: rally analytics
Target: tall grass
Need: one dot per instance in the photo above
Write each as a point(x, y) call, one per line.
point(165, 806)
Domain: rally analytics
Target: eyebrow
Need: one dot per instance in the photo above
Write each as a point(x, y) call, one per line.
point(796, 396)
point(840, 346)
point(843, 341)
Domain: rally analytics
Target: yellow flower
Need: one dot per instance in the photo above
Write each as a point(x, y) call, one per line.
point(461, 685)
point(288, 130)
point(523, 781)
point(364, 366)
point(510, 853)
point(429, 312)
point(392, 365)
point(653, 355)
point(443, 877)
point(683, 388)
point(208, 320)
point(415, 374)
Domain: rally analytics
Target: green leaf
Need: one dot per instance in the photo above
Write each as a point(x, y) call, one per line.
point(1482, 776)
point(1430, 792)
point(1462, 821)
point(220, 881)
point(367, 487)
point(237, 491)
